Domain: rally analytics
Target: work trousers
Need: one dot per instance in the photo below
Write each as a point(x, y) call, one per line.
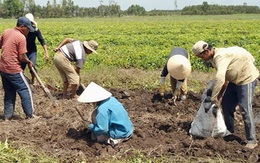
point(13, 83)
point(183, 88)
point(242, 96)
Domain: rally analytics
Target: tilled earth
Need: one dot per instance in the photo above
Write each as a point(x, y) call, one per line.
point(161, 129)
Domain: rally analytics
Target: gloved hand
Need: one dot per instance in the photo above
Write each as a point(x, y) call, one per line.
point(162, 86)
point(162, 89)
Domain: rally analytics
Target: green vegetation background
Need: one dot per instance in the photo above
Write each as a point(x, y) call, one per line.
point(141, 43)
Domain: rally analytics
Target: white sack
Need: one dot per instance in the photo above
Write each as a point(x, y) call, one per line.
point(205, 124)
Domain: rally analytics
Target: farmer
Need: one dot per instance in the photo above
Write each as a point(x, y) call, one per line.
point(31, 45)
point(69, 51)
point(110, 121)
point(237, 75)
point(13, 45)
point(179, 67)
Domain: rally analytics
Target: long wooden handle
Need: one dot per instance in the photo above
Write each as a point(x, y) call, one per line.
point(45, 89)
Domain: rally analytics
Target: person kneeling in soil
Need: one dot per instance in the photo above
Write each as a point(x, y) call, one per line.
point(179, 67)
point(69, 51)
point(110, 121)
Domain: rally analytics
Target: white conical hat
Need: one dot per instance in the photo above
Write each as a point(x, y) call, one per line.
point(94, 93)
point(179, 67)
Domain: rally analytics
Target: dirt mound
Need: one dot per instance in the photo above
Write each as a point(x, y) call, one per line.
point(161, 129)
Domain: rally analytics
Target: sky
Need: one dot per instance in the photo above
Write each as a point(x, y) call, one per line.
point(153, 4)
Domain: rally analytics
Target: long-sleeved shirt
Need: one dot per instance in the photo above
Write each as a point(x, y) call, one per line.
point(30, 39)
point(233, 64)
point(112, 119)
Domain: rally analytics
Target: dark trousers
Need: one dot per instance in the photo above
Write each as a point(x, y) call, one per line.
point(241, 95)
point(13, 83)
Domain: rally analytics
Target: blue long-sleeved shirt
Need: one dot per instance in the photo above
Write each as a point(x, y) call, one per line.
point(112, 119)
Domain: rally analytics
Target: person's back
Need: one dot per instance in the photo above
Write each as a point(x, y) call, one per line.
point(240, 64)
point(119, 123)
point(13, 43)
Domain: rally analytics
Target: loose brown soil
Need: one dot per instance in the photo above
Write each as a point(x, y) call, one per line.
point(161, 129)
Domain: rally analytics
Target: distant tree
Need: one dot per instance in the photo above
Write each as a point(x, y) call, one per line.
point(1, 9)
point(30, 7)
point(205, 7)
point(136, 10)
point(12, 8)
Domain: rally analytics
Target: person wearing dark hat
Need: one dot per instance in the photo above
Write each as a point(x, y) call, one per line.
point(13, 45)
point(31, 45)
point(110, 123)
point(69, 51)
point(236, 79)
point(179, 68)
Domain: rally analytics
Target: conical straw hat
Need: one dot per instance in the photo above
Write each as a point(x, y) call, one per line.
point(179, 67)
point(94, 93)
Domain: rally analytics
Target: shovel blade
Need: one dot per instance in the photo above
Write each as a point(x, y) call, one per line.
point(80, 89)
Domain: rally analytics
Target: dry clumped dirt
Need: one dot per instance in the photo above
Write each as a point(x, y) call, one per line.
point(161, 129)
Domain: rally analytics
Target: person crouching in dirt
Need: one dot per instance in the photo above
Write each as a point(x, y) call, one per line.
point(110, 123)
point(179, 67)
point(237, 75)
point(69, 51)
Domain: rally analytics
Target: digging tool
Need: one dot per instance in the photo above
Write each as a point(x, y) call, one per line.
point(82, 85)
point(45, 89)
point(80, 89)
point(85, 122)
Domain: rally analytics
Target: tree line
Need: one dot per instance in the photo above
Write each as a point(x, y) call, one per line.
point(66, 9)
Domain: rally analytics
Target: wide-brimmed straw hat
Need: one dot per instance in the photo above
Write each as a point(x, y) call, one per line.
point(94, 93)
point(91, 45)
point(31, 18)
point(179, 67)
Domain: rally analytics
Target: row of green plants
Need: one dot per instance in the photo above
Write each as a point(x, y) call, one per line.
point(145, 42)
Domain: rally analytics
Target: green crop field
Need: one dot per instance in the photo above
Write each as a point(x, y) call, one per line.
point(145, 42)
point(141, 43)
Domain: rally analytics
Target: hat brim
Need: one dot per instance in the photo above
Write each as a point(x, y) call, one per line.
point(31, 29)
point(94, 93)
point(34, 23)
point(85, 43)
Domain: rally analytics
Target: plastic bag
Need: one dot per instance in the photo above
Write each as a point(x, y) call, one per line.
point(208, 122)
